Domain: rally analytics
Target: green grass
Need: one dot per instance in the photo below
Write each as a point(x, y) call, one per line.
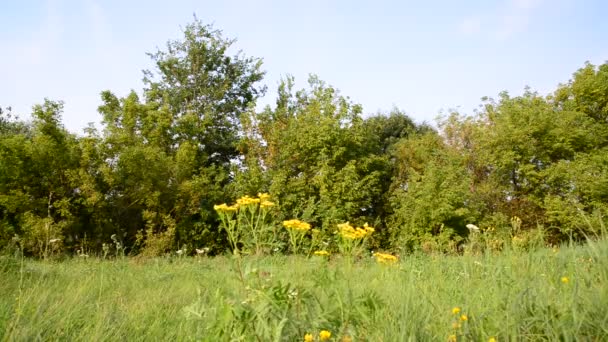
point(512, 296)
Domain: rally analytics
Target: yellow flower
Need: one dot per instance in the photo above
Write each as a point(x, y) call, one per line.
point(324, 335)
point(263, 196)
point(297, 225)
point(384, 258)
point(247, 200)
point(456, 310)
point(491, 339)
point(456, 325)
point(452, 338)
point(308, 338)
point(322, 253)
point(347, 231)
point(464, 318)
point(225, 208)
point(565, 280)
point(266, 204)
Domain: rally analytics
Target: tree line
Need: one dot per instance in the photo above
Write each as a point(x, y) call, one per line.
point(524, 169)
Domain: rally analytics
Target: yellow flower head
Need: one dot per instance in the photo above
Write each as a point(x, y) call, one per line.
point(263, 196)
point(324, 335)
point(452, 338)
point(322, 253)
point(384, 258)
point(225, 208)
point(266, 204)
point(456, 310)
point(464, 318)
point(347, 231)
point(492, 339)
point(296, 225)
point(247, 200)
point(565, 280)
point(308, 338)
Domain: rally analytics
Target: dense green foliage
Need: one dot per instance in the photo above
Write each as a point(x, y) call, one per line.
point(527, 170)
point(544, 295)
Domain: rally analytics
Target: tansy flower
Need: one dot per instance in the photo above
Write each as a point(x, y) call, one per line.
point(565, 280)
point(456, 310)
point(246, 200)
point(225, 208)
point(308, 338)
point(464, 318)
point(324, 335)
point(263, 196)
point(266, 204)
point(297, 225)
point(384, 258)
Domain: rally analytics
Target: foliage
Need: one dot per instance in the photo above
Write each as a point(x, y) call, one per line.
point(193, 138)
point(546, 294)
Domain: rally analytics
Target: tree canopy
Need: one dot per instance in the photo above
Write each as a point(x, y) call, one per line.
point(522, 167)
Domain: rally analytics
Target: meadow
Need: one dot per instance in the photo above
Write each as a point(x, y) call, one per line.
point(545, 294)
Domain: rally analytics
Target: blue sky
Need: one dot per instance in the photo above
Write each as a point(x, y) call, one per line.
point(419, 56)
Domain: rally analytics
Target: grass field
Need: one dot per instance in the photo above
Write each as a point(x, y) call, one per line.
point(546, 294)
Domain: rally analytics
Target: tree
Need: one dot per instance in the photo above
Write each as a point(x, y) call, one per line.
point(185, 133)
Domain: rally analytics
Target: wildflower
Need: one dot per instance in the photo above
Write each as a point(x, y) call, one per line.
point(204, 250)
point(324, 335)
point(452, 338)
point(384, 258)
point(322, 253)
point(296, 225)
point(456, 310)
point(247, 200)
point(347, 231)
point(492, 339)
point(472, 227)
point(565, 280)
point(266, 204)
point(456, 325)
point(464, 318)
point(225, 208)
point(308, 338)
point(263, 196)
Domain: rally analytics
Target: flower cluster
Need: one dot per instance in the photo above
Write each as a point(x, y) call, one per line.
point(384, 258)
point(322, 253)
point(324, 335)
point(349, 232)
point(247, 200)
point(296, 225)
point(225, 208)
point(263, 200)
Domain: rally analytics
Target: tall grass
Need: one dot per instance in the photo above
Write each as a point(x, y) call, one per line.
point(540, 295)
